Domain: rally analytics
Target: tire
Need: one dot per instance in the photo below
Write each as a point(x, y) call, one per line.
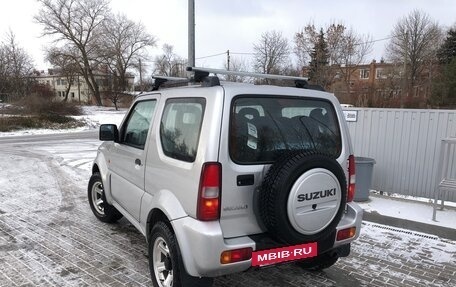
point(293, 181)
point(165, 262)
point(319, 263)
point(97, 200)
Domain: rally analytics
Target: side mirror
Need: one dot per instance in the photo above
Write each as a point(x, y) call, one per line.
point(109, 132)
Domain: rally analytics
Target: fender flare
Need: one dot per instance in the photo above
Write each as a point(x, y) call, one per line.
point(163, 202)
point(100, 164)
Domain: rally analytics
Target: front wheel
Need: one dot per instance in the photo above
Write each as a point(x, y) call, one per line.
point(166, 266)
point(97, 200)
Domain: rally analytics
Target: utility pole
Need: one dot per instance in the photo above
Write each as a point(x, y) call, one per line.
point(140, 76)
point(191, 33)
point(228, 59)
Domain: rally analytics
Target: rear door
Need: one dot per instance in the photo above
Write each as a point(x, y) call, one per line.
point(262, 128)
point(129, 155)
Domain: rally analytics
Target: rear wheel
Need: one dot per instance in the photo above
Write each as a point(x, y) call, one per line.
point(165, 262)
point(97, 200)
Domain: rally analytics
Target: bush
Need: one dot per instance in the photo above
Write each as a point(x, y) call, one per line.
point(40, 110)
point(42, 101)
point(16, 123)
point(47, 121)
point(36, 105)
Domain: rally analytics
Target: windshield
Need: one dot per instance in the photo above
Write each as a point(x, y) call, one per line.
point(264, 128)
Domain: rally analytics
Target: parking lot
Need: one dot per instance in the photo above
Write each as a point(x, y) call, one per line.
point(49, 237)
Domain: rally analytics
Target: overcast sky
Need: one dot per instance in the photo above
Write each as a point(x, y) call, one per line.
point(235, 24)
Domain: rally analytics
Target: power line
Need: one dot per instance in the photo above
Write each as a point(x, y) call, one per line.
point(242, 53)
point(376, 40)
point(210, 56)
point(247, 53)
point(250, 53)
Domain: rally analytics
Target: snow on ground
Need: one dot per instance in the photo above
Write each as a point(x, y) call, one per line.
point(402, 243)
point(409, 209)
point(53, 175)
point(81, 156)
point(30, 180)
point(93, 117)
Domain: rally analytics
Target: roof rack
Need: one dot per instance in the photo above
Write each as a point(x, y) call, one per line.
point(201, 75)
point(300, 82)
point(161, 80)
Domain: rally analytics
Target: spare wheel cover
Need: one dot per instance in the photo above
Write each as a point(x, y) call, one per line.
point(314, 201)
point(288, 206)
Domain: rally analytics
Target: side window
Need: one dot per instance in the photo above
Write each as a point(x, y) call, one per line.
point(138, 123)
point(181, 126)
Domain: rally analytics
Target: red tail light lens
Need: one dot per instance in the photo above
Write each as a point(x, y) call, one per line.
point(346, 233)
point(208, 207)
point(231, 256)
point(351, 178)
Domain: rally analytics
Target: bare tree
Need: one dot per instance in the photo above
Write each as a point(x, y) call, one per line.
point(237, 64)
point(114, 92)
point(415, 39)
point(304, 42)
point(123, 42)
point(169, 63)
point(346, 49)
point(63, 61)
point(75, 23)
point(271, 53)
point(15, 67)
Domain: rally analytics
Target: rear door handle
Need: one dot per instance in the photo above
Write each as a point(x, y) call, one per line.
point(138, 162)
point(245, 180)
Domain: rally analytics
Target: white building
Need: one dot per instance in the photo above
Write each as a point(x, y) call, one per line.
point(79, 90)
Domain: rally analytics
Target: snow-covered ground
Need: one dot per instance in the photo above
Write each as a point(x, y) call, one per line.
point(52, 175)
point(93, 117)
point(410, 209)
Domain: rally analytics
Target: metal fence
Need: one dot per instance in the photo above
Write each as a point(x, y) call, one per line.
point(446, 179)
point(406, 146)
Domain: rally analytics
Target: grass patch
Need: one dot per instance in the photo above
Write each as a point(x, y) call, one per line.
point(44, 121)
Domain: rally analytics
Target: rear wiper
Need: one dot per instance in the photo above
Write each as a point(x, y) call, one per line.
point(308, 131)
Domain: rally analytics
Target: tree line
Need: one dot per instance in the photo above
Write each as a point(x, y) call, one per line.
point(416, 50)
point(88, 38)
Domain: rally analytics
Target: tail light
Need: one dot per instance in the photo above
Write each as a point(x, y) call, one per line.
point(351, 178)
point(232, 256)
point(208, 207)
point(346, 233)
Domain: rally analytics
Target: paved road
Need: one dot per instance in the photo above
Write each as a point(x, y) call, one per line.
point(49, 138)
point(48, 236)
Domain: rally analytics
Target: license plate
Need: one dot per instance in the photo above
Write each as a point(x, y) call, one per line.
point(283, 254)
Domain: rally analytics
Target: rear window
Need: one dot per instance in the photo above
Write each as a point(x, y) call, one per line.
point(264, 128)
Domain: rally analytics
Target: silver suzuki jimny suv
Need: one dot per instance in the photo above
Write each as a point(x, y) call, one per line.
point(224, 177)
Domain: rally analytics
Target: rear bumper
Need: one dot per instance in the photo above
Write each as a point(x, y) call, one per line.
point(202, 243)
point(352, 217)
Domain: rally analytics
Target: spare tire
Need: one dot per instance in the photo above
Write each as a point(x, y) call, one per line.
point(302, 197)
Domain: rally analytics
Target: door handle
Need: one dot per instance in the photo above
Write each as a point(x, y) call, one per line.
point(138, 162)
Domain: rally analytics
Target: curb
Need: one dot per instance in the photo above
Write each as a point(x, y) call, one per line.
point(444, 232)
